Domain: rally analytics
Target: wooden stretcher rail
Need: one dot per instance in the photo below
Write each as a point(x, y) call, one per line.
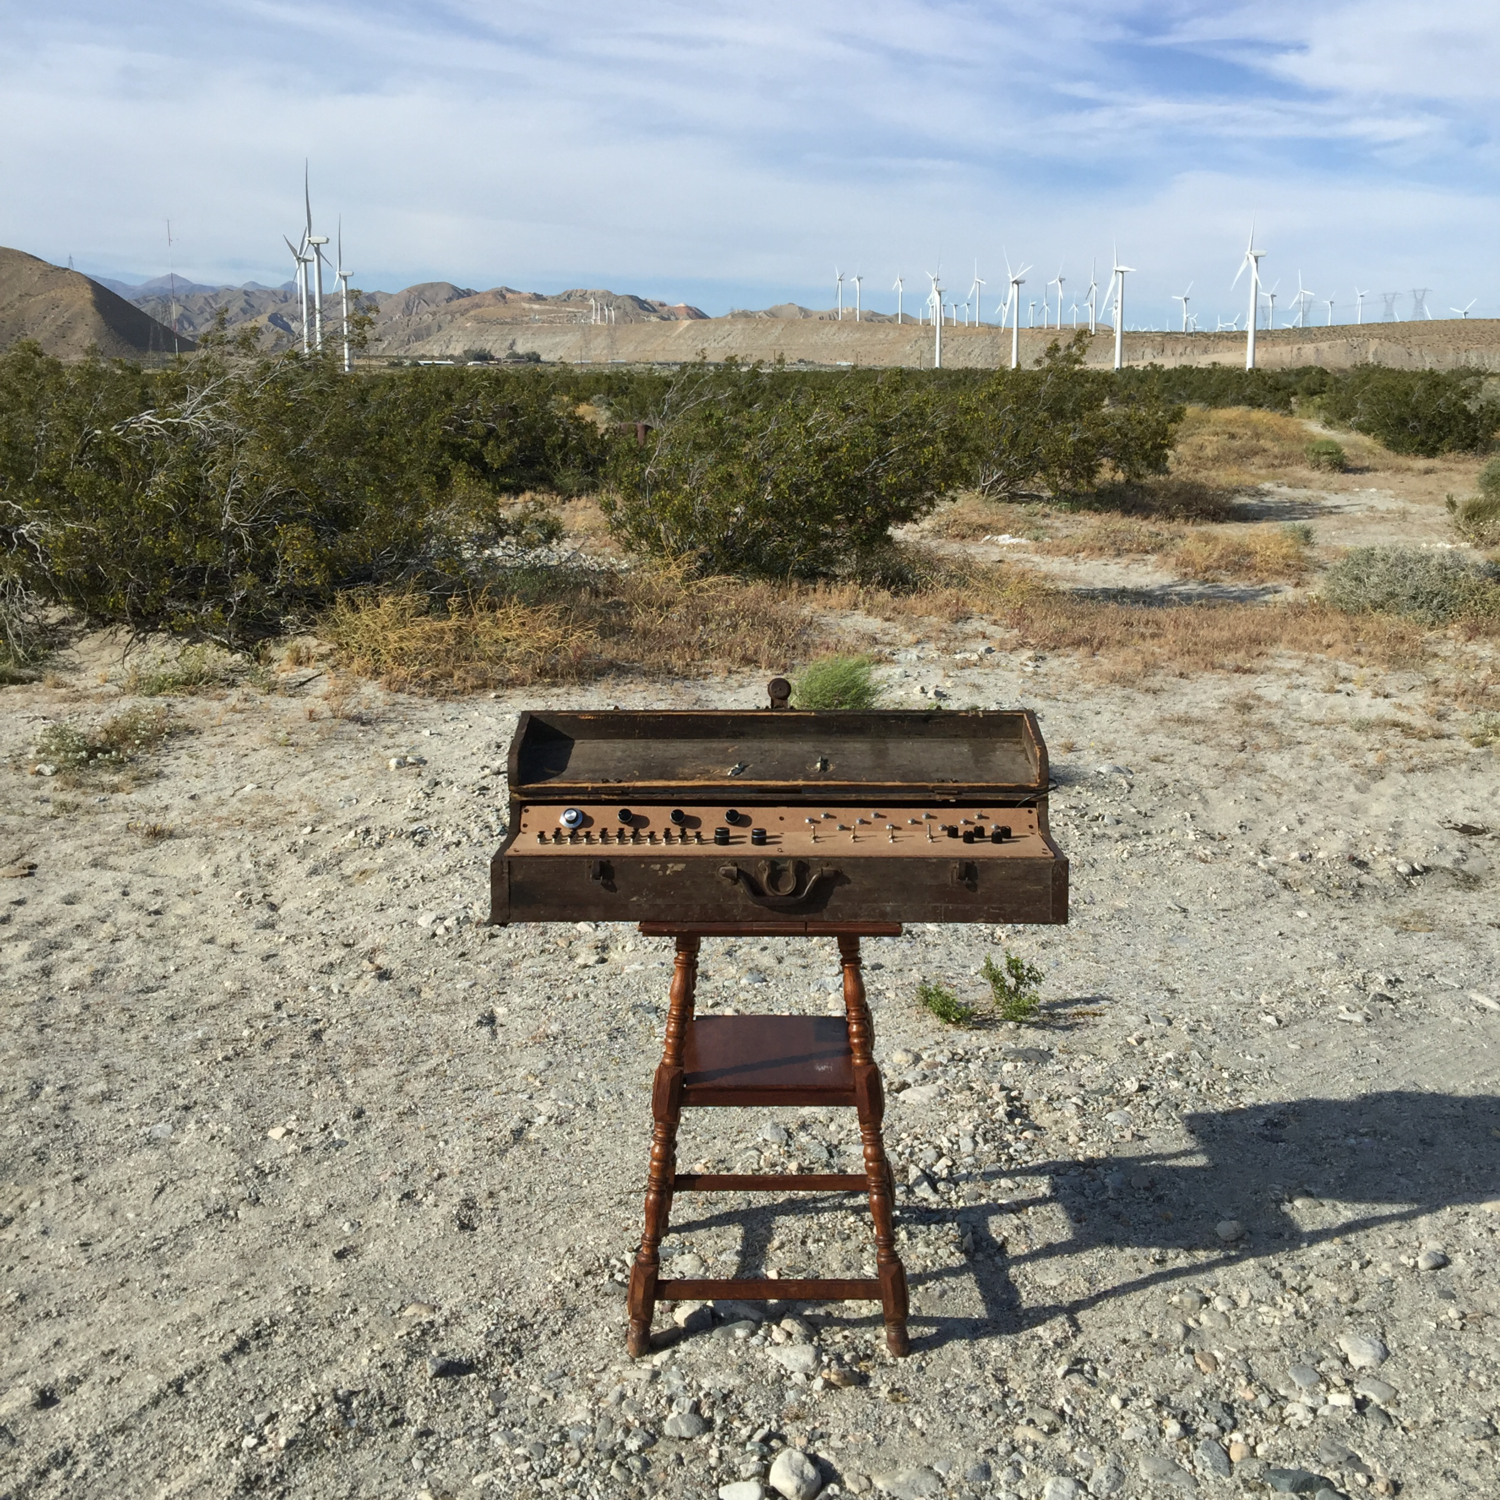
point(768, 1290)
point(761, 1182)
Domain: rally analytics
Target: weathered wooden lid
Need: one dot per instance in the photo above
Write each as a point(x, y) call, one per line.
point(765, 756)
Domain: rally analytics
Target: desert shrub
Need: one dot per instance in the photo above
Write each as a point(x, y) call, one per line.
point(1059, 426)
point(23, 633)
point(1422, 412)
point(193, 669)
point(836, 682)
point(1430, 588)
point(1014, 986)
point(229, 498)
point(1476, 519)
point(944, 1004)
point(747, 474)
point(1324, 453)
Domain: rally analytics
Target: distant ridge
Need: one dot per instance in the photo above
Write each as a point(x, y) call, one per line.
point(67, 313)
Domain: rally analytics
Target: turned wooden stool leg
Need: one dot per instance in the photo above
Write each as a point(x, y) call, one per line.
point(666, 1111)
point(869, 1098)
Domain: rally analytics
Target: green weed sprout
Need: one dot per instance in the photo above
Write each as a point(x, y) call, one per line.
point(1014, 987)
point(945, 1005)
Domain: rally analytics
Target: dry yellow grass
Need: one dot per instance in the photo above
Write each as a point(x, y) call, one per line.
point(1254, 554)
point(571, 625)
point(971, 517)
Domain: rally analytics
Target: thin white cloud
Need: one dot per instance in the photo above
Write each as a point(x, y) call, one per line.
point(733, 153)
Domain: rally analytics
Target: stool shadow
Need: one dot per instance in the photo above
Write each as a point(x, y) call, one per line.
point(1373, 1161)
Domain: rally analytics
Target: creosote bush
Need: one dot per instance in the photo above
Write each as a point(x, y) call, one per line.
point(747, 474)
point(836, 682)
point(1324, 453)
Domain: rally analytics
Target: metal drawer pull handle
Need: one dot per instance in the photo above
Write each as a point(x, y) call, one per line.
point(778, 884)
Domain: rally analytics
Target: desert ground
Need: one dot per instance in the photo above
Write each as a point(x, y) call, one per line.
point(315, 1184)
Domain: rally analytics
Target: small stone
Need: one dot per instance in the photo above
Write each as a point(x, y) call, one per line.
point(843, 1378)
point(1160, 1469)
point(1363, 1351)
point(1431, 1260)
point(445, 1367)
point(796, 1359)
point(686, 1425)
point(1480, 1431)
point(1295, 1481)
point(1107, 1480)
point(688, 1266)
point(1229, 1230)
point(1043, 1417)
point(1206, 1360)
point(977, 1473)
point(796, 1330)
point(692, 1317)
point(161, 1132)
point(1060, 1488)
point(910, 1484)
point(1212, 1459)
point(1239, 1451)
point(1336, 1455)
point(277, 1133)
point(418, 1311)
point(773, 1133)
point(1304, 1377)
point(903, 1059)
point(743, 1489)
point(795, 1476)
point(1376, 1389)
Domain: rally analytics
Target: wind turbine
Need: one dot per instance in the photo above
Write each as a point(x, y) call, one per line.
point(1056, 281)
point(1359, 305)
point(1118, 277)
point(936, 301)
point(1304, 296)
point(838, 277)
point(976, 291)
point(300, 274)
point(1463, 312)
point(1182, 297)
point(857, 278)
point(1074, 311)
point(342, 277)
point(898, 289)
point(1329, 301)
point(1252, 259)
point(1017, 281)
point(1271, 299)
point(316, 241)
point(1093, 300)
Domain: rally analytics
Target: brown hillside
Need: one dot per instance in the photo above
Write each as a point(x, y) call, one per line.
point(67, 314)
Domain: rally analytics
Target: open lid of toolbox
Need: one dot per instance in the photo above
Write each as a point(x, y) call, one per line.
point(761, 755)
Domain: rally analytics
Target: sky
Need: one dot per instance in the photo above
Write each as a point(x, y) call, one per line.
point(735, 155)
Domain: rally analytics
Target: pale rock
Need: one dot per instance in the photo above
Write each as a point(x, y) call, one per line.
point(1157, 1468)
point(795, 1476)
point(1107, 1480)
point(686, 1425)
point(796, 1359)
point(1375, 1389)
point(910, 1484)
point(1212, 1459)
point(1060, 1488)
point(1230, 1230)
point(692, 1317)
point(1363, 1351)
point(743, 1489)
point(688, 1266)
point(1432, 1259)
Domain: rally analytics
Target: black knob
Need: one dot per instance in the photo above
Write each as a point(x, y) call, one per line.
point(757, 835)
point(678, 816)
point(721, 835)
point(951, 830)
point(625, 814)
point(968, 835)
point(736, 818)
point(1001, 833)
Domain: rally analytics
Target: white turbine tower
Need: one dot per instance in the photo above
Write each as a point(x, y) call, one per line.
point(1252, 259)
point(935, 301)
point(1017, 281)
point(1056, 281)
point(976, 291)
point(899, 289)
point(1118, 277)
point(316, 241)
point(1093, 299)
point(838, 277)
point(299, 273)
point(1359, 305)
point(856, 278)
point(342, 277)
point(1182, 297)
point(1305, 295)
point(1463, 312)
point(1329, 301)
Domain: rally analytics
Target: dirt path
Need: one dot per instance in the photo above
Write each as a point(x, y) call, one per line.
point(314, 1185)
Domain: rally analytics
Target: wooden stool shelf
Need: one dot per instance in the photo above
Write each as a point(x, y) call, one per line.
point(738, 1061)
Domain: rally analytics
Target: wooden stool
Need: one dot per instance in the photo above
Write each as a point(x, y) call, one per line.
point(768, 1060)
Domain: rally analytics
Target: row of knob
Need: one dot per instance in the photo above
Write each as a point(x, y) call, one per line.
point(637, 836)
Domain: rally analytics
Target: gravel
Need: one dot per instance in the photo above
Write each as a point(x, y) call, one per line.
point(381, 1244)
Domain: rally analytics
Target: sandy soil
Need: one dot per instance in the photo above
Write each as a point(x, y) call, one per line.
point(315, 1185)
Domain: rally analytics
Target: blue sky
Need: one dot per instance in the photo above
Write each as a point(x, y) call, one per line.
point(731, 155)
